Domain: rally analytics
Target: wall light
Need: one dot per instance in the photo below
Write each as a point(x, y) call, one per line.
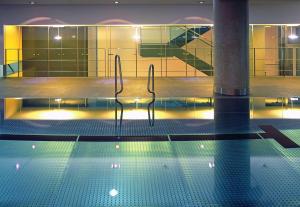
point(294, 99)
point(293, 36)
point(57, 100)
point(136, 35)
point(58, 37)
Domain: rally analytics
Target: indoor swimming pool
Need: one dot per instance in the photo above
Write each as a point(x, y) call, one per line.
point(187, 151)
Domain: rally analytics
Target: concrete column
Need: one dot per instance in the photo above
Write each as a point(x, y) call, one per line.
point(231, 114)
point(1, 51)
point(231, 55)
point(2, 111)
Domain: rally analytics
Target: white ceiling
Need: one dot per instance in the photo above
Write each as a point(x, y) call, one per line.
point(130, 2)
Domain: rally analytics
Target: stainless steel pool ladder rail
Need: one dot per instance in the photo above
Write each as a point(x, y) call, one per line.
point(118, 67)
point(151, 91)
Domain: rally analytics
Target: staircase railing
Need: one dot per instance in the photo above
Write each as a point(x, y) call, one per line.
point(196, 34)
point(9, 66)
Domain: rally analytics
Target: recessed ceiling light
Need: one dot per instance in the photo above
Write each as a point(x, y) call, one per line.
point(116, 2)
point(201, 2)
point(31, 2)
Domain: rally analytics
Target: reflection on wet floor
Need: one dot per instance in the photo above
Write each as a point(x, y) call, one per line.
point(140, 109)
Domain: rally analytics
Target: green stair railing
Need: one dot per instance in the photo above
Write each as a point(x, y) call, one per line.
point(174, 49)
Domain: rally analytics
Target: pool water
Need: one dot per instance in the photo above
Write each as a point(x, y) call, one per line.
point(244, 153)
point(199, 173)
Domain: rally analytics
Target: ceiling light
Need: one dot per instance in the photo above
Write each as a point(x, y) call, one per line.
point(201, 2)
point(116, 2)
point(31, 2)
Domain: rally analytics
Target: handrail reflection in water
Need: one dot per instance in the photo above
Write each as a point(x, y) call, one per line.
point(118, 126)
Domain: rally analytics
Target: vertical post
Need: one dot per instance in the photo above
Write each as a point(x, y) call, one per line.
point(195, 72)
point(186, 49)
point(136, 62)
point(231, 47)
point(48, 52)
point(77, 50)
point(294, 62)
point(254, 62)
point(97, 62)
point(2, 110)
point(18, 50)
point(5, 64)
point(211, 60)
point(166, 61)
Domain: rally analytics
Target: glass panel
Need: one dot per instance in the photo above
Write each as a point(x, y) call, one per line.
point(175, 50)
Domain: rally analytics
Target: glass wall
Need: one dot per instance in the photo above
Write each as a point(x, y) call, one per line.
point(175, 50)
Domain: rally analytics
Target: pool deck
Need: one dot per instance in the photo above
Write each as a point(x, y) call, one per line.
point(137, 87)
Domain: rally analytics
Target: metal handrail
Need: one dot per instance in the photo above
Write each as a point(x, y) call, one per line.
point(118, 66)
point(151, 75)
point(151, 90)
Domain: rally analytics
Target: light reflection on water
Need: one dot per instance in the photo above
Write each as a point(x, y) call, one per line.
point(137, 108)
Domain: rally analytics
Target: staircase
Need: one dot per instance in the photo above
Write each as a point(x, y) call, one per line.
point(174, 49)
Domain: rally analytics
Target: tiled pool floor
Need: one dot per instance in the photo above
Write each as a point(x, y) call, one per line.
point(196, 173)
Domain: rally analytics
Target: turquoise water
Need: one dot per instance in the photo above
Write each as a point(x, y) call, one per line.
point(201, 173)
point(245, 172)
